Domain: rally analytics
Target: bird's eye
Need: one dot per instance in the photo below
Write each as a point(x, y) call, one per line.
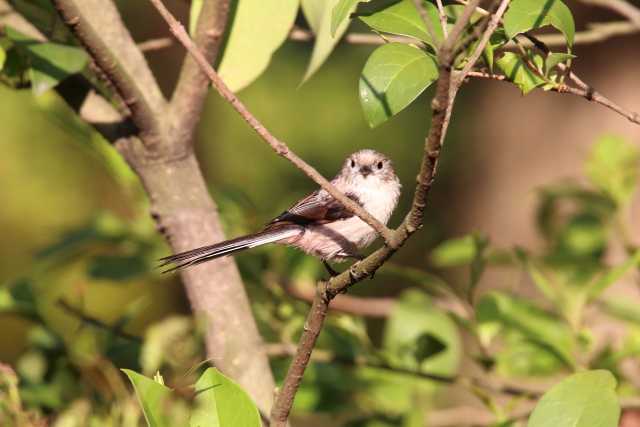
point(380, 165)
point(353, 163)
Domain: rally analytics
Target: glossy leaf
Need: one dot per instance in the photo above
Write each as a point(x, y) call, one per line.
point(517, 71)
point(585, 399)
point(221, 402)
point(498, 310)
point(253, 39)
point(525, 15)
point(403, 18)
point(394, 75)
point(153, 398)
point(319, 14)
point(420, 336)
point(614, 167)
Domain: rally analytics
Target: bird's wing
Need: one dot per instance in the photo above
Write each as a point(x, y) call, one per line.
point(318, 207)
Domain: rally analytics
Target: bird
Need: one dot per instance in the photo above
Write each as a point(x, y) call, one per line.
point(318, 224)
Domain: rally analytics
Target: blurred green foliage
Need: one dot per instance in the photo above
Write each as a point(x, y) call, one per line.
point(80, 300)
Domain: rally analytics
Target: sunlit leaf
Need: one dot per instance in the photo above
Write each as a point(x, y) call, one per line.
point(319, 14)
point(403, 18)
point(457, 251)
point(419, 336)
point(253, 39)
point(394, 75)
point(153, 398)
point(3, 57)
point(585, 399)
point(221, 402)
point(194, 14)
point(341, 11)
point(614, 167)
point(525, 15)
point(517, 71)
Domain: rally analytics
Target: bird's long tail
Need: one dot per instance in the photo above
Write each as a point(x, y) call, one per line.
point(228, 247)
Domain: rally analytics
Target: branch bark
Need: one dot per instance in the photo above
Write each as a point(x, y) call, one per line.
point(162, 156)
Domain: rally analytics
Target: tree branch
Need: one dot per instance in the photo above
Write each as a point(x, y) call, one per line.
point(114, 51)
point(191, 90)
point(278, 146)
point(179, 200)
point(622, 7)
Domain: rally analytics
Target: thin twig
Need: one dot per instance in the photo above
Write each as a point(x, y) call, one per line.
point(595, 33)
point(89, 320)
point(443, 17)
point(427, 22)
point(491, 27)
point(155, 44)
point(587, 92)
point(278, 146)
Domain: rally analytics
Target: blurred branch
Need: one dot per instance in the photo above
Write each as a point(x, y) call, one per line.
point(89, 320)
point(622, 7)
point(155, 44)
point(278, 146)
point(443, 17)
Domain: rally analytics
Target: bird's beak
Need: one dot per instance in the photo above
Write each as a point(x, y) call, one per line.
point(365, 171)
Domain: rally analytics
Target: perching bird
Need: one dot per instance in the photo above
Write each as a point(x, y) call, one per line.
point(318, 224)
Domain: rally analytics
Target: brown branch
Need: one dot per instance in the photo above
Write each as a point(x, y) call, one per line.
point(419, 5)
point(191, 90)
point(278, 146)
point(155, 44)
point(178, 196)
point(586, 92)
point(622, 7)
point(300, 35)
point(443, 17)
point(446, 88)
point(115, 52)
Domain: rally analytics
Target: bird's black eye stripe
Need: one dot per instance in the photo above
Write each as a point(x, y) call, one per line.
point(353, 163)
point(380, 165)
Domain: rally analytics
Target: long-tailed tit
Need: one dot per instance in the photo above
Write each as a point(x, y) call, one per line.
point(318, 224)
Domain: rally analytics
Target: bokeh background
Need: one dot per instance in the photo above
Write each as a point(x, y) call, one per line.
point(58, 180)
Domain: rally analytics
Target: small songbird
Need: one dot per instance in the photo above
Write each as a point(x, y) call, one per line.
point(318, 224)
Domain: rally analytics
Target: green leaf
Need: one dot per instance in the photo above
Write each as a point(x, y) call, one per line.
point(403, 18)
point(50, 62)
point(253, 39)
point(421, 337)
point(319, 14)
point(517, 71)
point(498, 310)
point(341, 11)
point(116, 267)
point(458, 251)
point(221, 402)
point(614, 167)
point(621, 308)
point(394, 75)
point(3, 57)
point(194, 13)
point(585, 399)
point(525, 15)
point(614, 274)
point(542, 282)
point(555, 58)
point(153, 398)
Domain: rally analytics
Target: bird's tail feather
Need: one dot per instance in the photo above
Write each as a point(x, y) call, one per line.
point(228, 247)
